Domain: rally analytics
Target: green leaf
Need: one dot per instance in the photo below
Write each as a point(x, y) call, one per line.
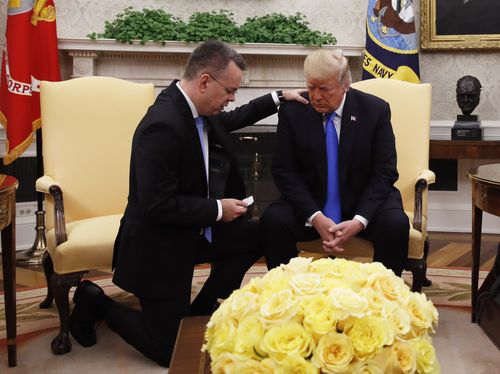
point(157, 25)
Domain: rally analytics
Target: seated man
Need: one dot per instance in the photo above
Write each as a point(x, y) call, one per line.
point(335, 166)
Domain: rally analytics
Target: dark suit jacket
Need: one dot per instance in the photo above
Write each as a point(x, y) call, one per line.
point(167, 203)
point(367, 157)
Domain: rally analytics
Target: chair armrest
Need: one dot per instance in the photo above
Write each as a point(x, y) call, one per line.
point(49, 186)
point(425, 178)
point(428, 176)
point(43, 184)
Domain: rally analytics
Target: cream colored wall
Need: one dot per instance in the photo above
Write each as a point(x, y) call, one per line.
point(345, 19)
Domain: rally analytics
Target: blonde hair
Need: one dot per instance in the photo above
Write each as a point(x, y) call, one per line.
point(324, 64)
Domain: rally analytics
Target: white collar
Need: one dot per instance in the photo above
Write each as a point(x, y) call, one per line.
point(190, 103)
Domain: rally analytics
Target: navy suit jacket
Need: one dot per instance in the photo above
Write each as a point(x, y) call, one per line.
point(367, 157)
point(167, 203)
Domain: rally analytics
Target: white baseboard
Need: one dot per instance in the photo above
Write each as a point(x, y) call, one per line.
point(456, 219)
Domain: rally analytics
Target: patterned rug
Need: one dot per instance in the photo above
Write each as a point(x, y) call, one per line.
point(451, 287)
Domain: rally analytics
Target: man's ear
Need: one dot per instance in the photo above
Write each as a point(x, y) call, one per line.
point(203, 82)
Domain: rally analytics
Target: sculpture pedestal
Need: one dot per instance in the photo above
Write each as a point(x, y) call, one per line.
point(467, 127)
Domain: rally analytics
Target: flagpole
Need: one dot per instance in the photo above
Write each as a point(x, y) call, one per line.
point(30, 35)
point(34, 256)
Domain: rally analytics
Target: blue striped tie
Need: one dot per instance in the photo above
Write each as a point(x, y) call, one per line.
point(207, 231)
point(332, 207)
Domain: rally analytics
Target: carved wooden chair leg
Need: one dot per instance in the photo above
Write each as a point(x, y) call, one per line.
point(61, 285)
point(48, 269)
point(427, 282)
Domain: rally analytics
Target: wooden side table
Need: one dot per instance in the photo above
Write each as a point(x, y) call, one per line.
point(485, 198)
point(464, 149)
point(188, 357)
point(8, 186)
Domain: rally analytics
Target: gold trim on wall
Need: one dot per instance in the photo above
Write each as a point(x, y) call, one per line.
point(429, 40)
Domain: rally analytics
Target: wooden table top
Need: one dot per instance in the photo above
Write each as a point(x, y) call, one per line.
point(464, 149)
point(188, 357)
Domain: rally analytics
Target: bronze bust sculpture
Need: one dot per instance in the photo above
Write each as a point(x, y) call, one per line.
point(468, 92)
point(467, 126)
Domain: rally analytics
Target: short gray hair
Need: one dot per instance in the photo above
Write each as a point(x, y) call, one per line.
point(324, 64)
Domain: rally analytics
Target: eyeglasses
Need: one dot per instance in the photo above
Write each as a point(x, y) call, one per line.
point(229, 91)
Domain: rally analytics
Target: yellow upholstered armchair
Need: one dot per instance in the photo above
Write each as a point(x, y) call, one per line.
point(87, 125)
point(410, 107)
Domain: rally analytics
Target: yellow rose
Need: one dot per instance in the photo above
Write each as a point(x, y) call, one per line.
point(229, 363)
point(427, 362)
point(399, 319)
point(348, 303)
point(306, 284)
point(369, 335)
point(350, 271)
point(378, 305)
point(243, 303)
point(318, 312)
point(423, 314)
point(375, 365)
point(248, 337)
point(334, 353)
point(375, 267)
point(403, 358)
point(254, 285)
point(324, 266)
point(389, 285)
point(329, 283)
point(365, 367)
point(287, 338)
point(220, 337)
point(295, 364)
point(279, 308)
point(274, 281)
point(334, 316)
point(297, 265)
point(221, 313)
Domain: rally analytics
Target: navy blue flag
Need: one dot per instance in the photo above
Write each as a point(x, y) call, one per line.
point(391, 50)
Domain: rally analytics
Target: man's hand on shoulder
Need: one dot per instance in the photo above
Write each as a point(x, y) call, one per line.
point(290, 95)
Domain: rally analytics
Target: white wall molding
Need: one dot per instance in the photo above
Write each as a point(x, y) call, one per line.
point(171, 47)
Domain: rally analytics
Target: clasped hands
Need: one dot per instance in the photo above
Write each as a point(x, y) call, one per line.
point(334, 235)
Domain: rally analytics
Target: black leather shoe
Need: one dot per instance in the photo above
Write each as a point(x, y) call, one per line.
point(84, 316)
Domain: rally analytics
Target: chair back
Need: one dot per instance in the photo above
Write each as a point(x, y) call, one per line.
point(411, 110)
point(87, 129)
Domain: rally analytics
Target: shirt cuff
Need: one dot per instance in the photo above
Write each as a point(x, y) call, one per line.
point(219, 210)
point(310, 219)
point(275, 98)
point(361, 219)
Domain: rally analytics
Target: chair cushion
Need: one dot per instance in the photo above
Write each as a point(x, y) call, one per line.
point(89, 245)
point(363, 248)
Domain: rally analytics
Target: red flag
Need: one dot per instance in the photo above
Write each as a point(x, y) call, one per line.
point(30, 55)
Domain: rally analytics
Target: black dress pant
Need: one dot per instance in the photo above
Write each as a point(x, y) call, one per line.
point(153, 329)
point(283, 227)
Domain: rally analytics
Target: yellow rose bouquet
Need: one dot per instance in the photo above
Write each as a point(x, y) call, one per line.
point(323, 316)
